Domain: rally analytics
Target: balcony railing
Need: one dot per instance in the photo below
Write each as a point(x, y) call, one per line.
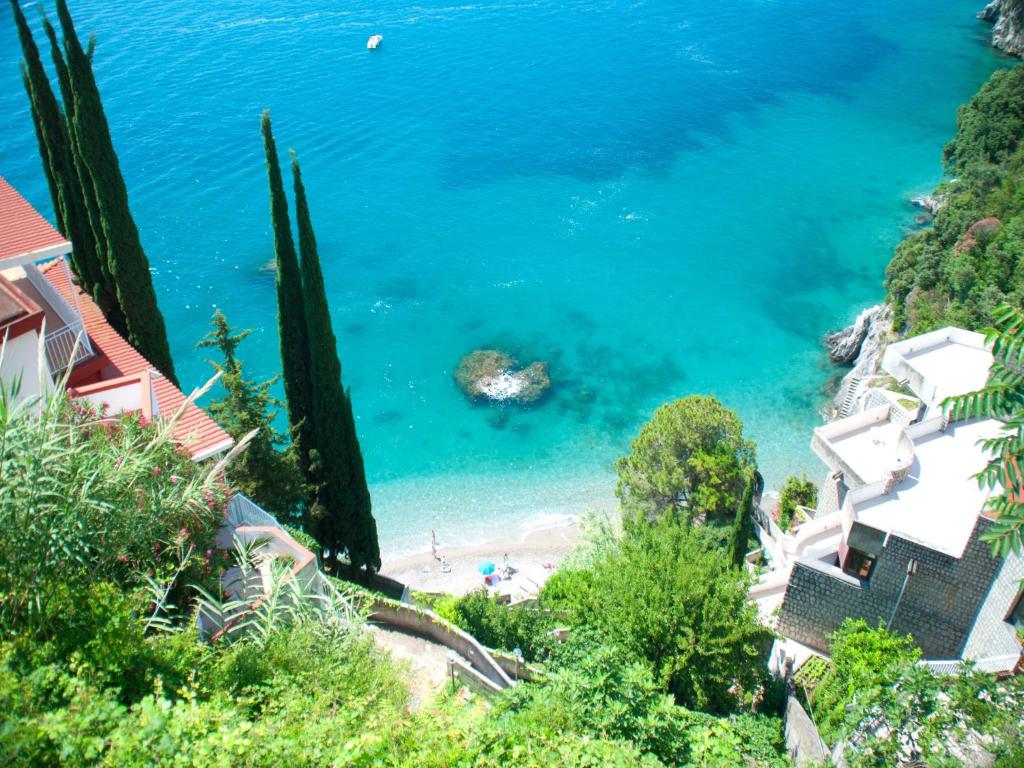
point(67, 347)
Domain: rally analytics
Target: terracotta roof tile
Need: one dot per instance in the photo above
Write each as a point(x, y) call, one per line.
point(196, 431)
point(22, 229)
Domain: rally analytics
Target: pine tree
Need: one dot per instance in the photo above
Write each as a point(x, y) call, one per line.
point(291, 319)
point(264, 472)
point(58, 162)
point(741, 527)
point(343, 518)
point(126, 261)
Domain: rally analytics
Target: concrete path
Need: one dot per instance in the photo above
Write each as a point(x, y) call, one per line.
point(427, 662)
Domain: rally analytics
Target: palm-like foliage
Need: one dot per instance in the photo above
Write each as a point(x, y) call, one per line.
point(86, 498)
point(286, 600)
point(1001, 398)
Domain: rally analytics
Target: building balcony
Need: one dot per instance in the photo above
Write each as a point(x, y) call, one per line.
point(67, 342)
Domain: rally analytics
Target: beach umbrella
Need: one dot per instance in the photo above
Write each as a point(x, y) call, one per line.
point(486, 567)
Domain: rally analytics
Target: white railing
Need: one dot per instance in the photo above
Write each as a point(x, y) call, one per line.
point(991, 664)
point(67, 347)
point(51, 295)
point(243, 511)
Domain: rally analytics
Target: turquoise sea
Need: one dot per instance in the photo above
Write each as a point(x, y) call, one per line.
point(656, 198)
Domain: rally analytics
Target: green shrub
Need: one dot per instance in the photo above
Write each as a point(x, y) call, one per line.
point(664, 596)
point(497, 625)
point(796, 491)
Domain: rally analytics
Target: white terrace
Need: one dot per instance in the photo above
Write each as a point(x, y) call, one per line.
point(940, 364)
point(910, 479)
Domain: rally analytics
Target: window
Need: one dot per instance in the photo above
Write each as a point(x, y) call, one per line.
point(859, 564)
point(1016, 614)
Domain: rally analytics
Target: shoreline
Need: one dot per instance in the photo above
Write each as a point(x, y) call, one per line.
point(533, 556)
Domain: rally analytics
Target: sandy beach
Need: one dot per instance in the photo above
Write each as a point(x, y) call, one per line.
point(528, 554)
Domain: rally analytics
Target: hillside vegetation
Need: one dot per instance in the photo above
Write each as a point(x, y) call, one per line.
point(971, 259)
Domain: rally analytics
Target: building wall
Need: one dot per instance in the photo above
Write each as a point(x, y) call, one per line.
point(21, 358)
point(938, 608)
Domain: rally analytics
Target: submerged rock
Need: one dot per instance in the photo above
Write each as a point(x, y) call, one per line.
point(1008, 18)
point(489, 374)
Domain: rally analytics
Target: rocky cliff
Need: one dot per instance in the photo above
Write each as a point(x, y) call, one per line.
point(1008, 18)
point(861, 344)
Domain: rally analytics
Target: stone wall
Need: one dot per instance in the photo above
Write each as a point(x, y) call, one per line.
point(938, 608)
point(992, 636)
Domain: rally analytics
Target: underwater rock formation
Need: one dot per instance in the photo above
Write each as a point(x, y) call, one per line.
point(489, 374)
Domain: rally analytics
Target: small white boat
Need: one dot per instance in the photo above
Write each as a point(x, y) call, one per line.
point(374, 42)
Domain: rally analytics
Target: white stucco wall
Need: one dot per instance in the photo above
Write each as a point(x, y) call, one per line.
point(21, 358)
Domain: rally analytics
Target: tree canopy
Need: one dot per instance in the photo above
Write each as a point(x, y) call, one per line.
point(971, 259)
point(691, 459)
point(666, 597)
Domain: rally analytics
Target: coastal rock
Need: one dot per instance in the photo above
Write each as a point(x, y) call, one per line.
point(844, 346)
point(1008, 18)
point(877, 333)
point(930, 203)
point(489, 374)
point(979, 230)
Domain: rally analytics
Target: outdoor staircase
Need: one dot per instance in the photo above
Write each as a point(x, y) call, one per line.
point(850, 397)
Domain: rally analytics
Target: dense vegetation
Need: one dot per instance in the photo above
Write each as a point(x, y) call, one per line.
point(891, 711)
point(971, 260)
point(267, 472)
point(108, 527)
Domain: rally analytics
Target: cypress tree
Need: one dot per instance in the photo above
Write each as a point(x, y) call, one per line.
point(58, 163)
point(344, 521)
point(126, 261)
point(291, 318)
point(105, 294)
point(741, 527)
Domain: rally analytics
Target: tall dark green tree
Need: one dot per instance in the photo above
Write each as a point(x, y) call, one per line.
point(264, 472)
point(126, 260)
point(55, 150)
point(291, 318)
point(342, 512)
point(105, 292)
point(742, 526)
point(44, 121)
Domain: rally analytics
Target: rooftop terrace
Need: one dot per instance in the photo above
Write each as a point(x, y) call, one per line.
point(939, 502)
point(940, 364)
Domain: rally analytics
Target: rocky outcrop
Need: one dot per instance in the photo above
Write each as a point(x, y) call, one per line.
point(489, 374)
point(844, 346)
point(979, 230)
point(866, 338)
point(1008, 18)
point(929, 203)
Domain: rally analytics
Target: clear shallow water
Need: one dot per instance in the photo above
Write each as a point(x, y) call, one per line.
point(656, 198)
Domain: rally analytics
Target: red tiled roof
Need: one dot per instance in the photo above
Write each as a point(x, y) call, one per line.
point(196, 431)
point(23, 230)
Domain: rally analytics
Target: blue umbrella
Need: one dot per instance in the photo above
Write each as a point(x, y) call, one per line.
point(486, 567)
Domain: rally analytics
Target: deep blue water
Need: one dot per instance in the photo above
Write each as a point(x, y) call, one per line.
point(657, 198)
